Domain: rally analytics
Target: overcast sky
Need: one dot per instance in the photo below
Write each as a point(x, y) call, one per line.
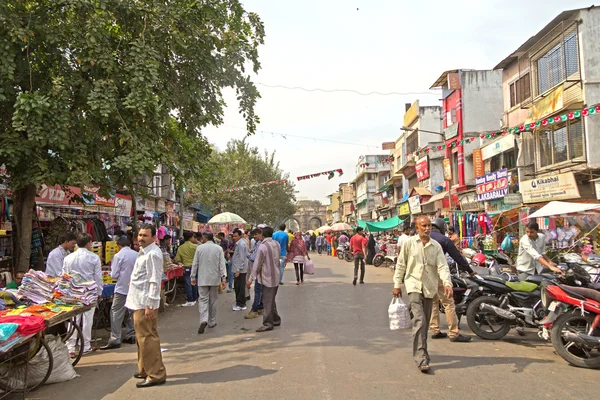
point(368, 46)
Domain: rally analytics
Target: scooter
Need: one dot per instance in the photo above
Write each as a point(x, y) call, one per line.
point(344, 253)
point(380, 256)
point(573, 323)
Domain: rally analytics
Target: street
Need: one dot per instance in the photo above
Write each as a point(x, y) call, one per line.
point(334, 343)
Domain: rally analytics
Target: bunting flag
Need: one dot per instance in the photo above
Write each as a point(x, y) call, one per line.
point(569, 116)
point(240, 188)
point(330, 174)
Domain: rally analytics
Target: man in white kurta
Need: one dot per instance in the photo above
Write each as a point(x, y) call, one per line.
point(208, 272)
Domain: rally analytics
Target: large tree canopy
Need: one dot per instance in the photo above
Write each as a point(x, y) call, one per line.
point(104, 90)
point(242, 165)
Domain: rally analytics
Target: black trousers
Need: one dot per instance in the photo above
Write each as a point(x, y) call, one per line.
point(299, 267)
point(359, 259)
point(240, 290)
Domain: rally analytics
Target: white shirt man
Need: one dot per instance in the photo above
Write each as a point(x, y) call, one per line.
point(56, 258)
point(89, 266)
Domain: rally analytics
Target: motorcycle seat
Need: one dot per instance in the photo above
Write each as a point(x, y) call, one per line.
point(522, 286)
point(581, 293)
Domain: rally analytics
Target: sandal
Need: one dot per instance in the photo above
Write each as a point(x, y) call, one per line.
point(424, 367)
point(264, 329)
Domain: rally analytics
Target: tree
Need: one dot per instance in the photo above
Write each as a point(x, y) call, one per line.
point(102, 91)
point(242, 165)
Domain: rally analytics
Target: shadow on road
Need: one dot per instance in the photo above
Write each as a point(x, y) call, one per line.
point(229, 374)
point(459, 362)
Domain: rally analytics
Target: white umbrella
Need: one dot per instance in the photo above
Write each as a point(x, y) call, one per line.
point(341, 226)
point(564, 208)
point(324, 229)
point(227, 218)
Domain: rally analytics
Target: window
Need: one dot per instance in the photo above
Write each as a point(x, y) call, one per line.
point(452, 116)
point(520, 90)
point(156, 186)
point(412, 143)
point(561, 143)
point(558, 64)
point(454, 168)
point(507, 160)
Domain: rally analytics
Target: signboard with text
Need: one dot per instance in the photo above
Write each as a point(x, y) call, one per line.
point(447, 169)
point(415, 204)
point(451, 131)
point(554, 187)
point(492, 186)
point(404, 208)
point(478, 166)
point(422, 169)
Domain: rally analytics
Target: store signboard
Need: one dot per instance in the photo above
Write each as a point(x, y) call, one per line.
point(478, 167)
point(56, 195)
point(123, 205)
point(404, 208)
point(415, 204)
point(492, 186)
point(549, 104)
point(170, 208)
point(554, 187)
point(513, 199)
point(91, 195)
point(453, 81)
point(150, 205)
point(451, 131)
point(447, 169)
point(388, 145)
point(497, 206)
point(469, 202)
point(498, 147)
point(161, 206)
point(188, 216)
point(422, 169)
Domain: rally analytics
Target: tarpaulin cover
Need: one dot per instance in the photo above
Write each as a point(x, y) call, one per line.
point(380, 226)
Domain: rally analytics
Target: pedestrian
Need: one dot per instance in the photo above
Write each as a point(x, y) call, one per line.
point(313, 242)
point(453, 236)
point(370, 250)
point(265, 271)
point(421, 265)
point(121, 269)
point(257, 307)
point(297, 256)
point(532, 258)
point(239, 267)
point(208, 273)
point(89, 266)
point(319, 243)
point(56, 258)
point(283, 239)
point(343, 238)
point(405, 235)
point(185, 256)
point(358, 246)
point(329, 241)
point(225, 245)
point(144, 300)
point(438, 228)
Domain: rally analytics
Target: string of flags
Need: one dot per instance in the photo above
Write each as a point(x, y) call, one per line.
point(330, 174)
point(240, 188)
point(569, 116)
point(386, 160)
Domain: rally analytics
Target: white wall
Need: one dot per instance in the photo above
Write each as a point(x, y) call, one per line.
point(483, 102)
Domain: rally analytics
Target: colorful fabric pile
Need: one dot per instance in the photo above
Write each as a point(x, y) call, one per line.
point(37, 287)
point(73, 289)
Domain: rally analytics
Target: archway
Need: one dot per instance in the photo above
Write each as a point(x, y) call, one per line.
point(292, 224)
point(314, 223)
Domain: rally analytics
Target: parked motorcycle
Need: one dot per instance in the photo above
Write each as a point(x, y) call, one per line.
point(344, 252)
point(464, 288)
point(573, 322)
point(380, 256)
point(387, 254)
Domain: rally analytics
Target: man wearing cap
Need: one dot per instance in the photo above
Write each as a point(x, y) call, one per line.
point(208, 272)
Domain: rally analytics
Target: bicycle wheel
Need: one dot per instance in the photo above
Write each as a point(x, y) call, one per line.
point(171, 291)
point(76, 330)
point(24, 373)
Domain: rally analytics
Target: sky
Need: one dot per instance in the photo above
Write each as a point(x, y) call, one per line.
point(367, 46)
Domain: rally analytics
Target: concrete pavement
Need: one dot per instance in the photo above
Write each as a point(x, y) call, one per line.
point(334, 343)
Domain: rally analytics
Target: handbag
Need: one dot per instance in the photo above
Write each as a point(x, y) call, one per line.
point(309, 267)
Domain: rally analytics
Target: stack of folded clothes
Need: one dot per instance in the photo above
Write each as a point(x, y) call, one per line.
point(73, 289)
point(37, 287)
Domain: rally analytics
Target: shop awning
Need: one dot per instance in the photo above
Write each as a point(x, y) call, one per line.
point(439, 196)
point(557, 208)
point(380, 226)
point(360, 203)
point(384, 188)
point(420, 191)
point(395, 178)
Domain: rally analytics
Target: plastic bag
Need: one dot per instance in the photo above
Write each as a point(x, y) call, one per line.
point(309, 267)
point(506, 244)
point(399, 314)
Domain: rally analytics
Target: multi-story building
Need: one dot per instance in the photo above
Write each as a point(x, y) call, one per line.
point(472, 103)
point(372, 171)
point(547, 81)
point(333, 209)
point(346, 203)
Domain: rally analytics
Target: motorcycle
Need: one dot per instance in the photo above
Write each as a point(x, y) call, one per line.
point(506, 304)
point(464, 288)
point(573, 323)
point(380, 256)
point(344, 252)
point(387, 254)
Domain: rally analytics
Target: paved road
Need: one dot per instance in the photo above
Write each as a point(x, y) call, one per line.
point(334, 344)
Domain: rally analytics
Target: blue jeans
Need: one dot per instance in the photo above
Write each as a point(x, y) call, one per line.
point(230, 276)
point(281, 268)
point(191, 292)
point(257, 305)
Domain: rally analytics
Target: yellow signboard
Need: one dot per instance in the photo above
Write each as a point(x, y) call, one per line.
point(554, 187)
point(404, 208)
point(546, 105)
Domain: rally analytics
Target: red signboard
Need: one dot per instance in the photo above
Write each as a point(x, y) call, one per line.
point(59, 196)
point(422, 169)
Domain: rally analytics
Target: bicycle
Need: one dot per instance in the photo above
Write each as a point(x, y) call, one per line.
point(15, 364)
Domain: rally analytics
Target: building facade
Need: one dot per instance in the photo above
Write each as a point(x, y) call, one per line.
point(372, 171)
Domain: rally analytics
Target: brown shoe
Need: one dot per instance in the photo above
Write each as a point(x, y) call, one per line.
point(261, 312)
point(251, 315)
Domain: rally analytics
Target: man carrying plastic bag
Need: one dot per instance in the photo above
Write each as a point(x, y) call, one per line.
point(399, 315)
point(421, 264)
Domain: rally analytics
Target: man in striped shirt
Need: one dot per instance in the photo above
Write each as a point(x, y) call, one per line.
point(265, 270)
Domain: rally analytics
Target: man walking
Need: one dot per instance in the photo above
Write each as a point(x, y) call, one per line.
point(88, 265)
point(283, 239)
point(421, 264)
point(239, 266)
point(265, 272)
point(185, 256)
point(532, 258)
point(56, 258)
point(257, 307)
point(121, 269)
point(144, 299)
point(358, 246)
point(208, 272)
point(437, 234)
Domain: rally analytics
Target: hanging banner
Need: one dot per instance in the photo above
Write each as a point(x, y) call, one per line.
point(330, 174)
point(240, 188)
point(546, 105)
point(478, 167)
point(447, 169)
point(555, 187)
point(422, 169)
point(492, 186)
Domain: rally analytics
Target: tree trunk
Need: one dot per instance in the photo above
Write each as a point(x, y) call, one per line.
point(23, 217)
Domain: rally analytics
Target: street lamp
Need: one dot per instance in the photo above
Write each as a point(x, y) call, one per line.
point(406, 128)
